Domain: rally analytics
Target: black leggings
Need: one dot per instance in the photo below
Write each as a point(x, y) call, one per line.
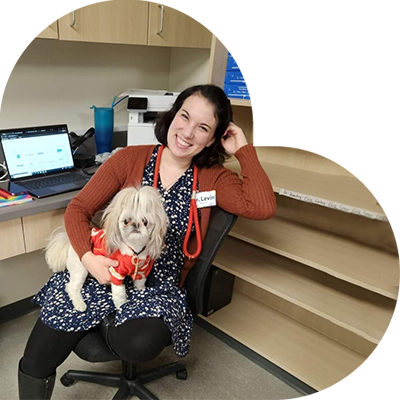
point(137, 340)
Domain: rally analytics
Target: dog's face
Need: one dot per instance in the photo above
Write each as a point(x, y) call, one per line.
point(135, 229)
point(136, 217)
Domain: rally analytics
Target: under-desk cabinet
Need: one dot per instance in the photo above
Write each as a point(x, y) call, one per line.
point(27, 234)
point(29, 18)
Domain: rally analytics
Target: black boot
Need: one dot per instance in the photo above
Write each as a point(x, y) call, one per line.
point(34, 388)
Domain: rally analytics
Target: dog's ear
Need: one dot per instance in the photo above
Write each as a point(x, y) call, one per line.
point(122, 200)
point(150, 197)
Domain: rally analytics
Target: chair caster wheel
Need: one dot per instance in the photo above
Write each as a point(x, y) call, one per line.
point(66, 381)
point(182, 375)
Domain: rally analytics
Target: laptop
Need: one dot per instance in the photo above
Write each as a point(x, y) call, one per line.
point(40, 162)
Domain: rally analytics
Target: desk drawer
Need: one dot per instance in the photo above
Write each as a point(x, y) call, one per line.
point(12, 239)
point(38, 228)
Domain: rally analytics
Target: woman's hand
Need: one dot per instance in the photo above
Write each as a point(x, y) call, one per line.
point(233, 139)
point(98, 267)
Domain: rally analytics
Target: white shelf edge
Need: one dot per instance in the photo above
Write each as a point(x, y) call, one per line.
point(315, 200)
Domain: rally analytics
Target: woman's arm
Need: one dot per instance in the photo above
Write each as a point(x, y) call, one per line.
point(101, 188)
point(251, 197)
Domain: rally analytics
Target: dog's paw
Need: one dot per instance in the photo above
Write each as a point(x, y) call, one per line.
point(120, 302)
point(140, 284)
point(79, 305)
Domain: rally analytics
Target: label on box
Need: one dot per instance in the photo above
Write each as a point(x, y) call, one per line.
point(253, 48)
point(285, 92)
point(291, 64)
point(288, 78)
point(250, 63)
point(294, 49)
point(252, 92)
point(248, 77)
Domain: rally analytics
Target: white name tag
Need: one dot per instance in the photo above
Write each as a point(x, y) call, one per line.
point(206, 199)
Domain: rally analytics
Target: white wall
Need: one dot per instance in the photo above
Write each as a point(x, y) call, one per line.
point(56, 82)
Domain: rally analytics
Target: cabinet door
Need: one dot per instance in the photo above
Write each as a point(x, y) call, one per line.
point(12, 239)
point(30, 18)
point(117, 21)
point(169, 27)
point(38, 228)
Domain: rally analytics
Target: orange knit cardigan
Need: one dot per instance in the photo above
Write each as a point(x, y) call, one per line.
point(250, 197)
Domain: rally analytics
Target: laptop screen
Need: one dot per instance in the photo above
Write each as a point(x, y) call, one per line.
point(36, 151)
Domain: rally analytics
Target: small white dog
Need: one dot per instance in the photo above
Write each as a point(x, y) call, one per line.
point(135, 224)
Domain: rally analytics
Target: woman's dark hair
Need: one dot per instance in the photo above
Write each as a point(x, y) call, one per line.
point(214, 154)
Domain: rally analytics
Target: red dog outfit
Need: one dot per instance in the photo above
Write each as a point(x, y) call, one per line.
point(134, 266)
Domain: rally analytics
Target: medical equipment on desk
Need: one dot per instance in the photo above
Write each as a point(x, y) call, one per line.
point(143, 107)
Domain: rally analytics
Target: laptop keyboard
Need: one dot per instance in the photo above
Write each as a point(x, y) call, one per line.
point(53, 181)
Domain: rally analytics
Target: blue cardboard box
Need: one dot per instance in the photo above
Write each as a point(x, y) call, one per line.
point(253, 48)
point(294, 49)
point(237, 91)
point(248, 77)
point(270, 48)
point(262, 92)
point(264, 63)
point(291, 64)
point(288, 78)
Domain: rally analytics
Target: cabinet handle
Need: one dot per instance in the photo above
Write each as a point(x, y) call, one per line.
point(161, 20)
point(73, 19)
point(365, 99)
point(48, 12)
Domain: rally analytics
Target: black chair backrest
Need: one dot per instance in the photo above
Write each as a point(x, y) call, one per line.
point(221, 222)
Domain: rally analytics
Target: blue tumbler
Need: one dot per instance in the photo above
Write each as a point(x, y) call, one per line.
point(104, 128)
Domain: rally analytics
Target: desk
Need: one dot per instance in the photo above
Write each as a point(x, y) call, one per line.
point(25, 229)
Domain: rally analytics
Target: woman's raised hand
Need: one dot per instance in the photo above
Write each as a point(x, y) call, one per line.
point(233, 139)
point(98, 266)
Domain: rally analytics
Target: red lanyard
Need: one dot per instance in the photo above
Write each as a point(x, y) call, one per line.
point(193, 213)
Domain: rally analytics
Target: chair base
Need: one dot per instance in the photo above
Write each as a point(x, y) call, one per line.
point(129, 383)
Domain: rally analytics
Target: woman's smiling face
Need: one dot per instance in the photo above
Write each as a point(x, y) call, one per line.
point(192, 128)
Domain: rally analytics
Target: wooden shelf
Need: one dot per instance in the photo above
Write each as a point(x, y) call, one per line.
point(323, 106)
point(348, 260)
point(345, 190)
point(359, 311)
point(308, 355)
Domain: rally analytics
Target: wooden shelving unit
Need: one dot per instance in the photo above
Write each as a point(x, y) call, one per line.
point(332, 307)
point(350, 261)
point(316, 286)
point(342, 189)
point(308, 355)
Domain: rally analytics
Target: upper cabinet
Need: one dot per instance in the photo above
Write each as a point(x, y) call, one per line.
point(130, 22)
point(171, 28)
point(117, 21)
point(30, 18)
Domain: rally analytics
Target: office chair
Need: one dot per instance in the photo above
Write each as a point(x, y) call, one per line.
point(93, 347)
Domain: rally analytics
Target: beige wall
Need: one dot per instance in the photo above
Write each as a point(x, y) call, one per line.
point(56, 82)
point(188, 67)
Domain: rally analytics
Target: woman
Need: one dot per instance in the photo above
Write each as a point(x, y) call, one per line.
point(197, 133)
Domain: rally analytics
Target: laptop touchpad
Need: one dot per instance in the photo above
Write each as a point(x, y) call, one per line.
point(64, 187)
